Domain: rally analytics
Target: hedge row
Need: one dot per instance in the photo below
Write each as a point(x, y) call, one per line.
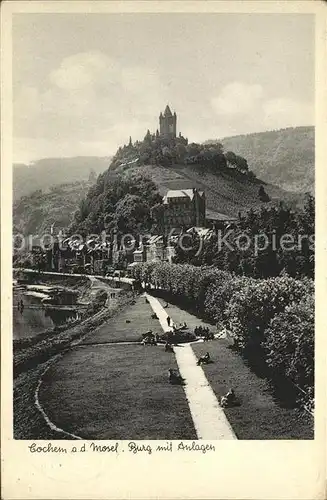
point(271, 320)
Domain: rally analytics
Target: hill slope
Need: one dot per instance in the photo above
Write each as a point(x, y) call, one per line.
point(53, 171)
point(35, 213)
point(225, 193)
point(283, 157)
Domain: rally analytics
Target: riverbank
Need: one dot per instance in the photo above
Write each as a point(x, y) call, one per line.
point(35, 319)
point(31, 361)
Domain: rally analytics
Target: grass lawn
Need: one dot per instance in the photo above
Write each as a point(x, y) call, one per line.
point(180, 315)
point(259, 416)
point(117, 330)
point(28, 421)
point(116, 392)
point(29, 357)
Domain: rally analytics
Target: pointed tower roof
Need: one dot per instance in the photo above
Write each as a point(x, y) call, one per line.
point(167, 111)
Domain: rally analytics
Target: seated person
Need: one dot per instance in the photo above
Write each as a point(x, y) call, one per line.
point(204, 359)
point(229, 399)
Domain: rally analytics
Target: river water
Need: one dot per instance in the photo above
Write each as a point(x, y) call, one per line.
point(34, 318)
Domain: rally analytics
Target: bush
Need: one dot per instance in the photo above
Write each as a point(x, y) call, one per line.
point(219, 294)
point(252, 307)
point(210, 278)
point(289, 344)
point(178, 337)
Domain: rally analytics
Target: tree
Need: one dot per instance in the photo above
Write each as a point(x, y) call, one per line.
point(180, 152)
point(188, 249)
point(131, 211)
point(231, 157)
point(308, 215)
point(219, 161)
point(117, 201)
point(241, 164)
point(237, 161)
point(157, 214)
point(263, 195)
point(193, 149)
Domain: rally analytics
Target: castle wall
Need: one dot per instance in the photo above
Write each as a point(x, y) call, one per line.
point(168, 126)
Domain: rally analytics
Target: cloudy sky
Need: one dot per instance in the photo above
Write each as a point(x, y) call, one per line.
point(83, 83)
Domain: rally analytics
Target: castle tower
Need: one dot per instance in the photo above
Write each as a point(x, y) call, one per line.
point(167, 122)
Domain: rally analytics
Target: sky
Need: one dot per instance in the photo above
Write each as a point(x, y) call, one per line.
point(84, 83)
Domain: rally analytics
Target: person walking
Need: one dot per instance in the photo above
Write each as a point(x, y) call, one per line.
point(168, 320)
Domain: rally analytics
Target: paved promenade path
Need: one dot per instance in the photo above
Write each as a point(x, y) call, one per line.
point(209, 418)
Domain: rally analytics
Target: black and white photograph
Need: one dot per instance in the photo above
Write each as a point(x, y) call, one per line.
point(163, 227)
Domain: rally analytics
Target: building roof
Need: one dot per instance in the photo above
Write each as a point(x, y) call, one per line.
point(50, 289)
point(37, 295)
point(155, 239)
point(39, 288)
point(181, 193)
point(203, 232)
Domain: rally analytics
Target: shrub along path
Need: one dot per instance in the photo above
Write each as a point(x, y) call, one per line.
point(259, 416)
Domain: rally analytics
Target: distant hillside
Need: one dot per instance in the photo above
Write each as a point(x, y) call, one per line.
point(35, 213)
point(283, 157)
point(53, 171)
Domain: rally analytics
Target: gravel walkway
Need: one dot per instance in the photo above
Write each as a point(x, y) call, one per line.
point(208, 417)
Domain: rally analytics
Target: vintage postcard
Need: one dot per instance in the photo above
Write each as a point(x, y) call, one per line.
point(163, 275)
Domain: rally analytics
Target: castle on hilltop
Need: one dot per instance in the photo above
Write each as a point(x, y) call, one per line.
point(167, 131)
point(167, 124)
point(168, 127)
point(165, 136)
